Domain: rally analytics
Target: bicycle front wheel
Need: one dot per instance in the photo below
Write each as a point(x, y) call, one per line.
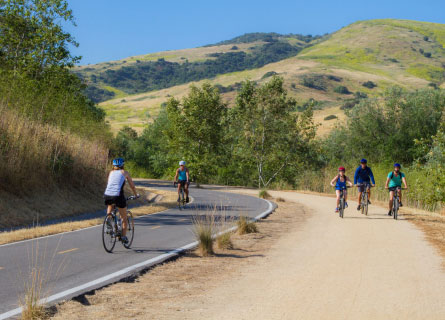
point(396, 209)
point(342, 207)
point(109, 233)
point(130, 230)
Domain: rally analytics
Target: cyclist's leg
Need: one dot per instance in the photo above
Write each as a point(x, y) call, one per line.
point(123, 214)
point(109, 209)
point(179, 188)
point(369, 193)
point(345, 194)
point(391, 199)
point(359, 196)
point(186, 189)
point(338, 198)
point(400, 195)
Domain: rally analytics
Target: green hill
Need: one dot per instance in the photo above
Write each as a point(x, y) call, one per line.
point(365, 58)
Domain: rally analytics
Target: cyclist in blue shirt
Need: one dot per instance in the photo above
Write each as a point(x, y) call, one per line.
point(394, 180)
point(184, 180)
point(362, 177)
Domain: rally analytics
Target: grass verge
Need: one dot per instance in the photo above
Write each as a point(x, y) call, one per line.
point(246, 226)
point(204, 227)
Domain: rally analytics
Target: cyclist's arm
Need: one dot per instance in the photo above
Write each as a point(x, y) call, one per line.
point(131, 183)
point(176, 176)
point(404, 182)
point(334, 180)
point(187, 174)
point(356, 175)
point(371, 175)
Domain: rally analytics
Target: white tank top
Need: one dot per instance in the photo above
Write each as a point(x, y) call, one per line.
point(115, 182)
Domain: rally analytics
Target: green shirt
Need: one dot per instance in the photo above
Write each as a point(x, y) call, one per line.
point(395, 181)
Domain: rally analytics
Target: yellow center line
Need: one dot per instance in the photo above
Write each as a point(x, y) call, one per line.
point(155, 227)
point(66, 251)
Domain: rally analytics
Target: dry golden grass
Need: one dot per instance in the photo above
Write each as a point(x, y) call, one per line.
point(246, 226)
point(165, 292)
point(224, 241)
point(167, 201)
point(204, 227)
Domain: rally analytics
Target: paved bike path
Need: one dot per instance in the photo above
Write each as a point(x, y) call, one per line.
point(76, 258)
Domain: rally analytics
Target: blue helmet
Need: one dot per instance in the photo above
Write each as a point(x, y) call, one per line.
point(119, 162)
point(397, 165)
point(363, 161)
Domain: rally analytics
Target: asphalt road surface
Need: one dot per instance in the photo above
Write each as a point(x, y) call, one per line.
point(76, 262)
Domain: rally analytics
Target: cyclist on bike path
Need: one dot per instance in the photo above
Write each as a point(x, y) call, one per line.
point(363, 176)
point(340, 183)
point(114, 193)
point(184, 180)
point(394, 180)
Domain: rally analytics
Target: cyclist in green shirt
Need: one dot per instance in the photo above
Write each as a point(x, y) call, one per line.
point(394, 180)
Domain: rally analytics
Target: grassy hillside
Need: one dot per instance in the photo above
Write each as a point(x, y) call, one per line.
point(386, 52)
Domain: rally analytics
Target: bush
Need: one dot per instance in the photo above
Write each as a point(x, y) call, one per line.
point(234, 48)
point(349, 104)
point(330, 117)
point(341, 90)
point(427, 54)
point(369, 84)
point(203, 228)
point(269, 74)
point(360, 95)
point(334, 78)
point(314, 82)
point(393, 60)
point(293, 86)
point(433, 85)
point(425, 38)
point(421, 51)
point(224, 241)
point(263, 194)
point(246, 226)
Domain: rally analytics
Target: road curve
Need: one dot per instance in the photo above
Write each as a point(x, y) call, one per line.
point(78, 262)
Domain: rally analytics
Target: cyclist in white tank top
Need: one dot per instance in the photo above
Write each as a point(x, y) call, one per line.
point(114, 193)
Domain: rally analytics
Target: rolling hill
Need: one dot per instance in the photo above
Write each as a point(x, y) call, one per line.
point(332, 72)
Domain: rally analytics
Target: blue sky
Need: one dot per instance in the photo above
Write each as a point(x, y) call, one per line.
point(116, 29)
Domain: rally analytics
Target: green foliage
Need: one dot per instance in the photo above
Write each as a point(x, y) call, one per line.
point(266, 37)
point(330, 117)
point(269, 74)
point(427, 54)
point(341, 90)
point(314, 81)
point(369, 84)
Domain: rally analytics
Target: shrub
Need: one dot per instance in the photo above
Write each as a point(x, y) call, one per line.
point(334, 78)
point(433, 85)
point(393, 60)
point(425, 38)
point(293, 86)
point(314, 82)
point(369, 84)
point(341, 90)
point(269, 74)
point(203, 228)
point(246, 226)
point(421, 50)
point(263, 194)
point(279, 199)
point(234, 48)
point(224, 241)
point(427, 54)
point(360, 95)
point(330, 117)
point(349, 104)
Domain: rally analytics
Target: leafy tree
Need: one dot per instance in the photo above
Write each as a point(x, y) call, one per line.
point(196, 132)
point(272, 134)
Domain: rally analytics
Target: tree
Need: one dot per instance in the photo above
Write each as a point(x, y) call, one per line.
point(196, 133)
point(270, 133)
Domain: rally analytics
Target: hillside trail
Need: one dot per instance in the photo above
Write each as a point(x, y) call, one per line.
point(359, 267)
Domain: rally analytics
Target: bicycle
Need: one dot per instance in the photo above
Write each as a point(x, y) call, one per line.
point(112, 229)
point(182, 200)
point(364, 200)
point(341, 209)
point(396, 203)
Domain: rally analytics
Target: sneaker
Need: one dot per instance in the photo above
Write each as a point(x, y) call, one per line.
point(124, 239)
point(389, 213)
point(401, 204)
point(187, 200)
point(336, 210)
point(369, 202)
point(346, 204)
point(358, 208)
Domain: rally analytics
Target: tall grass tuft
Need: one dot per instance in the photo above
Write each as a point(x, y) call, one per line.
point(263, 194)
point(224, 241)
point(204, 227)
point(246, 226)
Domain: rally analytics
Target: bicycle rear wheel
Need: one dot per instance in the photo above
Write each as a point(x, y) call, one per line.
point(130, 230)
point(109, 233)
point(395, 208)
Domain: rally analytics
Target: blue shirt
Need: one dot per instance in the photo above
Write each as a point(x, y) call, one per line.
point(363, 175)
point(183, 174)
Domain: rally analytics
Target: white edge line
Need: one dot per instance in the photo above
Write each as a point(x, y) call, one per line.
point(129, 269)
point(98, 225)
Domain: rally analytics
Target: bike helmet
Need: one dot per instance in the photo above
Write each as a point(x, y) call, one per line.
point(341, 169)
point(363, 161)
point(182, 163)
point(118, 162)
point(397, 165)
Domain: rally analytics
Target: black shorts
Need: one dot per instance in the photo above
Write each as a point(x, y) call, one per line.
point(393, 189)
point(183, 183)
point(119, 201)
point(362, 187)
